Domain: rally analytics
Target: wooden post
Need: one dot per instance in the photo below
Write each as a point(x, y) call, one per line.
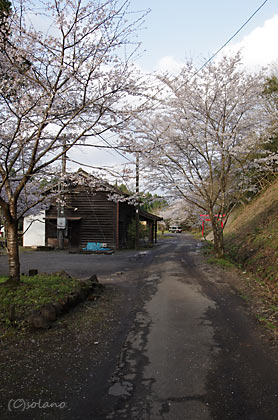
point(150, 229)
point(117, 225)
point(60, 209)
point(137, 204)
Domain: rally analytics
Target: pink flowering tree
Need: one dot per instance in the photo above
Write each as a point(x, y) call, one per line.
point(58, 87)
point(199, 143)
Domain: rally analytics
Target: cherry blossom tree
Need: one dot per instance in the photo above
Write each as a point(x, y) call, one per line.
point(199, 143)
point(58, 87)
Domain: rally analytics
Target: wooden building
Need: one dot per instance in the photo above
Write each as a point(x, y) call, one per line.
point(91, 216)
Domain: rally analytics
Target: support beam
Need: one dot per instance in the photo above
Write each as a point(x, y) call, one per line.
point(137, 221)
point(117, 224)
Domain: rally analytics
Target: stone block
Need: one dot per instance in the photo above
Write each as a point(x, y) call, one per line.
point(33, 272)
point(37, 320)
point(48, 312)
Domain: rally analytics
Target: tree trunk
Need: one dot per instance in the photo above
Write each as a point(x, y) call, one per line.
point(13, 253)
point(218, 242)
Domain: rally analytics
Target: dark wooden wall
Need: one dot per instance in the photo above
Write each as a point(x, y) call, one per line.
point(97, 218)
point(126, 214)
point(92, 217)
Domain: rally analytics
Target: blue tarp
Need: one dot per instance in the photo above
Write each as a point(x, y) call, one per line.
point(95, 246)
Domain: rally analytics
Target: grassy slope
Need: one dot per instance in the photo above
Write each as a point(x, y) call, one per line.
point(251, 239)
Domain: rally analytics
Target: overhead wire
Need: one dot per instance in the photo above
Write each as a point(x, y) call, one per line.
point(116, 150)
point(106, 168)
point(232, 37)
point(108, 144)
point(204, 65)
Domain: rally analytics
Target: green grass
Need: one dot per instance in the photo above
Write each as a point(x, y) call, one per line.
point(22, 249)
point(266, 322)
point(244, 296)
point(209, 254)
point(197, 234)
point(32, 293)
point(222, 262)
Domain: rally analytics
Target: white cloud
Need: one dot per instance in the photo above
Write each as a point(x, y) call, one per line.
point(259, 48)
point(169, 64)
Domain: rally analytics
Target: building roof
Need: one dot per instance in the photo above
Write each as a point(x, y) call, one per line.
point(144, 215)
point(104, 186)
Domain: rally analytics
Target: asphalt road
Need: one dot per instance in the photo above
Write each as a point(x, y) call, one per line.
point(183, 345)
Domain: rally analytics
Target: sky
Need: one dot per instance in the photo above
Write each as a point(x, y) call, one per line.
point(177, 30)
point(180, 29)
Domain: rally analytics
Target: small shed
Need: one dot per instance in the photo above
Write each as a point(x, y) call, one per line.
point(91, 216)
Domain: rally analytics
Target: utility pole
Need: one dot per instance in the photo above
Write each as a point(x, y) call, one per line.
point(64, 157)
point(137, 204)
point(61, 220)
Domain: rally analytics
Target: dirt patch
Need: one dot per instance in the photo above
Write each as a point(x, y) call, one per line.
point(49, 365)
point(260, 300)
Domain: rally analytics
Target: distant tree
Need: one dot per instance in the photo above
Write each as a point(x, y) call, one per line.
point(5, 11)
point(147, 201)
point(131, 232)
point(5, 7)
point(181, 213)
point(123, 188)
point(271, 86)
point(152, 202)
point(271, 95)
point(264, 167)
point(61, 86)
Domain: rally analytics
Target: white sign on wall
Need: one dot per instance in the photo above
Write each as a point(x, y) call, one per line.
point(61, 223)
point(34, 230)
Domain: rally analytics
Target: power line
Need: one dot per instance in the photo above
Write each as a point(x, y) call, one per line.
point(110, 146)
point(232, 37)
point(106, 168)
point(116, 150)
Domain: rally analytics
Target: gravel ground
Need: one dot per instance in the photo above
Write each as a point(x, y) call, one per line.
point(49, 366)
point(77, 265)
